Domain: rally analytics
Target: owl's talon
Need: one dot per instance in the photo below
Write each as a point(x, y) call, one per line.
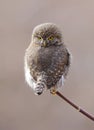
point(39, 90)
point(53, 91)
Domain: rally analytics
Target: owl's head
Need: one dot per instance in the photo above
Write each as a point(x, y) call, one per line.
point(47, 34)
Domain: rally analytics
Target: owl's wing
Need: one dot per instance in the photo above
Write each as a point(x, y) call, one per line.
point(29, 79)
point(60, 83)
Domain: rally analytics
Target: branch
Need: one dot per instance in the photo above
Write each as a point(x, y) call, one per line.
point(75, 106)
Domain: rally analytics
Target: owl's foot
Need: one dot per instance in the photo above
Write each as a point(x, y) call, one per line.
point(53, 91)
point(39, 89)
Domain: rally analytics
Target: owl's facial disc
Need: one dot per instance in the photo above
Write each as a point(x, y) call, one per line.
point(46, 35)
point(46, 41)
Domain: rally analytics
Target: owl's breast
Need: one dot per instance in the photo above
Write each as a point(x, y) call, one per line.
point(43, 59)
point(50, 60)
point(39, 60)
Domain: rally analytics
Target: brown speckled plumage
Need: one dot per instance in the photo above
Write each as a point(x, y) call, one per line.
point(46, 64)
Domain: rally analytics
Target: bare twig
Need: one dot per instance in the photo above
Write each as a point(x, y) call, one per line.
point(75, 106)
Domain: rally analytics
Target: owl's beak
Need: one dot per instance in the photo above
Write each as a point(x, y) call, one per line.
point(44, 44)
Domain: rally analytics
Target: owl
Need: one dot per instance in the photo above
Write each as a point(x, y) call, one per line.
point(47, 60)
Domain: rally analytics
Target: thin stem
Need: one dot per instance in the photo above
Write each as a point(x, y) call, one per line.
point(75, 106)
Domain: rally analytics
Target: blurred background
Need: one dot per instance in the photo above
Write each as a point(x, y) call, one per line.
point(20, 109)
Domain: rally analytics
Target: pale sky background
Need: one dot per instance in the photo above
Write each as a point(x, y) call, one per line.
point(20, 109)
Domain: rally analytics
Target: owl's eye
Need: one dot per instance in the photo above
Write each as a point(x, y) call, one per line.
point(50, 38)
point(39, 38)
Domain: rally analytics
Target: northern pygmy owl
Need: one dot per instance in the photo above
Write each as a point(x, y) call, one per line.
point(47, 60)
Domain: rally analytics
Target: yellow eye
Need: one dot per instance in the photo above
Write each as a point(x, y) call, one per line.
point(40, 38)
point(50, 38)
